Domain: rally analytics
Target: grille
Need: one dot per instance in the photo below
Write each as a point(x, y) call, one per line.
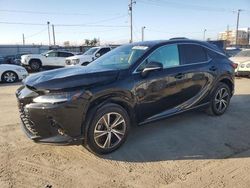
point(28, 124)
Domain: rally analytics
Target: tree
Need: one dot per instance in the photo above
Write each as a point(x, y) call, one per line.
point(87, 42)
point(94, 42)
point(66, 43)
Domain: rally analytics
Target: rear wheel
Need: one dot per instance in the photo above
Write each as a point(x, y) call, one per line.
point(9, 77)
point(220, 100)
point(108, 129)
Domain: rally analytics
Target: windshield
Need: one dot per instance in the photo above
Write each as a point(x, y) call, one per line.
point(245, 53)
point(121, 57)
point(91, 51)
point(44, 53)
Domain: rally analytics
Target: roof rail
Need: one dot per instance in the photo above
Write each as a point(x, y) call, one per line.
point(178, 38)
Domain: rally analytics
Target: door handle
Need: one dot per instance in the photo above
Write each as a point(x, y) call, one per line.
point(213, 68)
point(179, 75)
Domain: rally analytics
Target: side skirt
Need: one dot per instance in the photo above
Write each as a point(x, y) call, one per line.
point(173, 114)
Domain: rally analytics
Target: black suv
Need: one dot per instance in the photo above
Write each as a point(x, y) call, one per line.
point(134, 84)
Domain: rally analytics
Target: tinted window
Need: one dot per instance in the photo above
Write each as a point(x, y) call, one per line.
point(64, 54)
point(191, 53)
point(167, 55)
point(103, 51)
point(52, 54)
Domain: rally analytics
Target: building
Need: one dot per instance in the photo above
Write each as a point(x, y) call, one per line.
point(230, 36)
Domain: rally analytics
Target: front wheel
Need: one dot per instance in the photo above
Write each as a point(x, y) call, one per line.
point(108, 129)
point(9, 77)
point(220, 100)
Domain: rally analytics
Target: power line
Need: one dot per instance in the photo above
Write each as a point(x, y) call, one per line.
point(109, 19)
point(63, 25)
point(183, 5)
point(51, 13)
point(21, 23)
point(37, 33)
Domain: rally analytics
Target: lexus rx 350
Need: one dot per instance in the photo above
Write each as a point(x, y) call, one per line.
point(133, 84)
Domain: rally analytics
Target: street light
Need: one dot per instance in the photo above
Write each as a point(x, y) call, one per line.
point(142, 33)
point(204, 34)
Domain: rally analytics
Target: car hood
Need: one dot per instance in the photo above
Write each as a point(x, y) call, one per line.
point(10, 67)
point(73, 77)
point(239, 59)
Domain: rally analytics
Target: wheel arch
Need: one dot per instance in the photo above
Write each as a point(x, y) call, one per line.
point(35, 59)
point(85, 63)
point(9, 71)
point(229, 82)
point(97, 103)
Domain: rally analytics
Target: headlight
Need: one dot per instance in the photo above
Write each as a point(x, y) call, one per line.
point(58, 97)
point(21, 70)
point(75, 61)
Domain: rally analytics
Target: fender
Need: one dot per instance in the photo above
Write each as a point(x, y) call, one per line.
point(122, 98)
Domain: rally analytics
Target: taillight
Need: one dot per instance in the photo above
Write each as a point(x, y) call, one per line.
point(234, 65)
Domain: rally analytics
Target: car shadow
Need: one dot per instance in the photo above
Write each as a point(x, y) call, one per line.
point(2, 84)
point(191, 135)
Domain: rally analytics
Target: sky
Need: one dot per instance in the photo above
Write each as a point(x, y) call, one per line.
point(108, 20)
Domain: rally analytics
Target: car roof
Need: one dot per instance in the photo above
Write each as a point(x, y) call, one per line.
point(179, 41)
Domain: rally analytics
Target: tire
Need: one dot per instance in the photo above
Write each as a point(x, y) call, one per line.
point(220, 100)
point(101, 137)
point(35, 65)
point(9, 77)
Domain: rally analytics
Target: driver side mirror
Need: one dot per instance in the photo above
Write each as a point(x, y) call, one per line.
point(151, 66)
point(97, 54)
point(46, 55)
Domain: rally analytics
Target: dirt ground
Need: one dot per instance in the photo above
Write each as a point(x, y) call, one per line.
point(189, 150)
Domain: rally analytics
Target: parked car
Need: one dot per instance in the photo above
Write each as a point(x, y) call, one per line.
point(242, 59)
point(12, 73)
point(133, 84)
point(17, 58)
point(89, 56)
point(1, 59)
point(13, 59)
point(232, 51)
point(49, 59)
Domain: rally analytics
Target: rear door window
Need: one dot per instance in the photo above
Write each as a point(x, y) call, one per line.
point(192, 54)
point(103, 51)
point(64, 54)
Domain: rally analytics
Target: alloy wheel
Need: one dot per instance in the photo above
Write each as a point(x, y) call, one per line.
point(35, 66)
point(109, 130)
point(9, 77)
point(221, 99)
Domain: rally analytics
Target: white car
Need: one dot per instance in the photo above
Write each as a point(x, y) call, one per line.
point(49, 59)
point(243, 61)
point(89, 56)
point(12, 73)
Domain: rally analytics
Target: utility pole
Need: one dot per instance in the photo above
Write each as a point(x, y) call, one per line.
point(130, 8)
point(48, 31)
point(142, 33)
point(204, 34)
point(23, 39)
point(237, 27)
point(53, 32)
point(227, 41)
